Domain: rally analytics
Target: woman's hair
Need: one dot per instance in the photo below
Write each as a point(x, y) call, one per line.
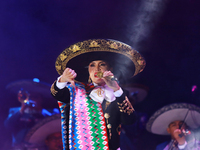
point(107, 62)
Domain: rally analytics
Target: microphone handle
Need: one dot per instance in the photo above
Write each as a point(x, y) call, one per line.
point(181, 135)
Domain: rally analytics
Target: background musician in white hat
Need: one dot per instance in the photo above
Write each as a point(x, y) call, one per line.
point(177, 120)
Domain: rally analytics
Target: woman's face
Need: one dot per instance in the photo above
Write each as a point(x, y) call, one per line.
point(97, 66)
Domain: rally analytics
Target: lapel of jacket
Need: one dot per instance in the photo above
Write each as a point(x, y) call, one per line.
point(105, 105)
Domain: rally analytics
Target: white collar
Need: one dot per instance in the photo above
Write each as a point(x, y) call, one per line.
point(99, 93)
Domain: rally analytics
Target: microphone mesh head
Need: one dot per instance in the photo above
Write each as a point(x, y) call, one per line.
point(100, 74)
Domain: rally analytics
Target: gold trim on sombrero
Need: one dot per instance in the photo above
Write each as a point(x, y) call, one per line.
point(99, 45)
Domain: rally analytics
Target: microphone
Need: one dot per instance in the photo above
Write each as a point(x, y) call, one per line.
point(100, 75)
point(184, 133)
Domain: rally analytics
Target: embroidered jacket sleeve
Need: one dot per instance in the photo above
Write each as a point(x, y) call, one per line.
point(116, 113)
point(127, 112)
point(62, 95)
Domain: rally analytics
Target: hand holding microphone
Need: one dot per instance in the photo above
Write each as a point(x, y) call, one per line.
point(179, 135)
point(100, 75)
point(184, 132)
point(109, 79)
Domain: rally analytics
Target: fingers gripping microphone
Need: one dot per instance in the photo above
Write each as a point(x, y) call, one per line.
point(184, 133)
point(100, 75)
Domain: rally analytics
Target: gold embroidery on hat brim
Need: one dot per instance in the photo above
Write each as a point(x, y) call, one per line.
point(100, 45)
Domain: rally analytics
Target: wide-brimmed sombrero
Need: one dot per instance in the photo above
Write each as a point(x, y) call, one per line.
point(34, 86)
point(126, 61)
point(160, 120)
point(39, 132)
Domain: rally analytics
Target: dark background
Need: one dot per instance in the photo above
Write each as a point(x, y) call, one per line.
point(167, 33)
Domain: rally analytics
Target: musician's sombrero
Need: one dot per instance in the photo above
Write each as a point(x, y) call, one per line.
point(126, 61)
point(39, 132)
point(160, 120)
point(33, 86)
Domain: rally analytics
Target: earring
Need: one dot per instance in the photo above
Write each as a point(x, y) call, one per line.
point(89, 80)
